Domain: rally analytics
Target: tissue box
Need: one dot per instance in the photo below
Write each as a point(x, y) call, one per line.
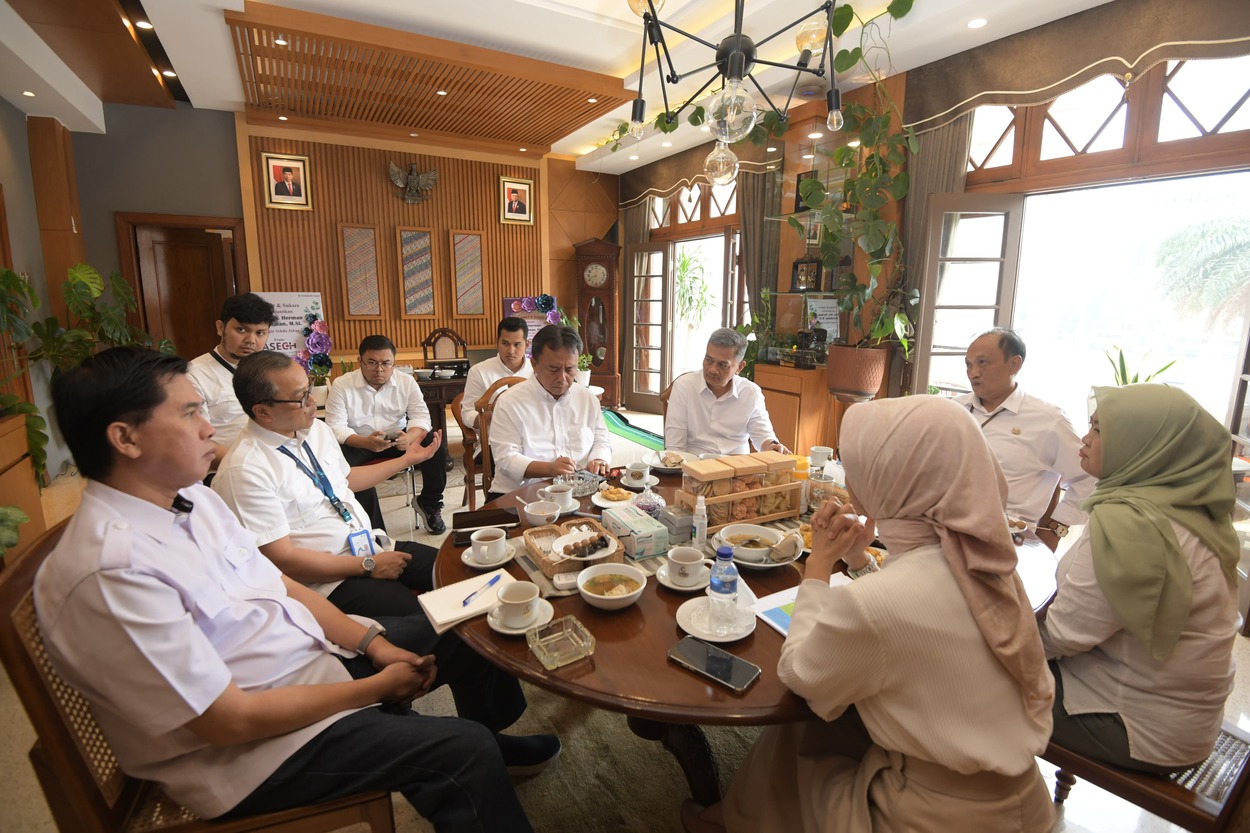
point(641, 535)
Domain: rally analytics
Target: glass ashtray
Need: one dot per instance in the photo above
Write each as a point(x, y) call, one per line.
point(560, 642)
point(584, 483)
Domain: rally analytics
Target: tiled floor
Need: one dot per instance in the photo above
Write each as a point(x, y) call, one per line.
point(22, 807)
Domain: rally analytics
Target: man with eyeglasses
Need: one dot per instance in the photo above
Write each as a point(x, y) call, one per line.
point(548, 426)
point(377, 414)
point(287, 481)
point(719, 412)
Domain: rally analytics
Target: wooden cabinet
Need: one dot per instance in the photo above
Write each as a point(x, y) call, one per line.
point(798, 403)
point(17, 483)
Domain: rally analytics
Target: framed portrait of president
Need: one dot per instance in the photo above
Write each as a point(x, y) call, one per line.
point(286, 181)
point(516, 200)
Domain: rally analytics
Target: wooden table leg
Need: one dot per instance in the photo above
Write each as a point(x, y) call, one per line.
point(692, 751)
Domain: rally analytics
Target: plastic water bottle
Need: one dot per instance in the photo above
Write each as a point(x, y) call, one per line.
point(699, 524)
point(722, 594)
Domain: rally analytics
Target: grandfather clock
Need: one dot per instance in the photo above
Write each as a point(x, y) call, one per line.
point(597, 310)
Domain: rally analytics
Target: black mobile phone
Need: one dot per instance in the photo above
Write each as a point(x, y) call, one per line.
point(714, 663)
point(478, 518)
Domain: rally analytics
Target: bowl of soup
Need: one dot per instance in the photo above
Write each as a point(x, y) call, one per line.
point(611, 586)
point(750, 542)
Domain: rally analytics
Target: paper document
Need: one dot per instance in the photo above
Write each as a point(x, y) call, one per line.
point(445, 606)
point(775, 609)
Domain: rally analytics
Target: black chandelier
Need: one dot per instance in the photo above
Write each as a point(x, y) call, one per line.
point(732, 113)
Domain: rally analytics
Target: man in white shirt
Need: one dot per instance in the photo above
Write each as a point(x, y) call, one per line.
point(288, 483)
point(244, 329)
point(239, 690)
point(1034, 442)
point(719, 412)
point(511, 342)
point(377, 414)
point(548, 426)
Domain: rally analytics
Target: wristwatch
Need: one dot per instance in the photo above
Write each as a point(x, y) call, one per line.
point(1054, 526)
point(369, 563)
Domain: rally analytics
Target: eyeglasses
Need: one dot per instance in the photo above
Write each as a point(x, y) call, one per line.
point(372, 365)
point(302, 401)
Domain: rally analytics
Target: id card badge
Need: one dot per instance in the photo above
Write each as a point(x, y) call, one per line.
point(361, 542)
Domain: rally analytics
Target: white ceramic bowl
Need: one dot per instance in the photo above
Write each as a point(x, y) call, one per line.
point(611, 602)
point(423, 372)
point(444, 374)
point(742, 553)
point(541, 512)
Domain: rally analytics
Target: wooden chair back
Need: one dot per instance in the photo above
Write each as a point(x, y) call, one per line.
point(470, 449)
point(485, 408)
point(444, 343)
point(81, 778)
point(667, 393)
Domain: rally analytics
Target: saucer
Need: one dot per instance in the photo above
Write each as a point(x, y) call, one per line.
point(651, 480)
point(509, 552)
point(661, 575)
point(692, 618)
point(753, 565)
point(544, 612)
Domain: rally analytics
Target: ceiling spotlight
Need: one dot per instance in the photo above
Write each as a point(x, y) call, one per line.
point(169, 73)
point(413, 135)
point(522, 150)
point(281, 118)
point(854, 143)
point(809, 156)
point(815, 134)
point(666, 144)
point(771, 150)
point(977, 23)
point(592, 101)
point(28, 93)
point(441, 92)
point(280, 41)
point(143, 24)
point(633, 157)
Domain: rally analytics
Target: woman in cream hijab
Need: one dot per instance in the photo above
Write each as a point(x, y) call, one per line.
point(1144, 617)
point(927, 676)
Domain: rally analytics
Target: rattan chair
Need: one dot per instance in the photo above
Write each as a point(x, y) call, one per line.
point(81, 779)
point(471, 481)
point(485, 408)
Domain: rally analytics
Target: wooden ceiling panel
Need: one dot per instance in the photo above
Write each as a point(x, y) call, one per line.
point(342, 71)
point(93, 40)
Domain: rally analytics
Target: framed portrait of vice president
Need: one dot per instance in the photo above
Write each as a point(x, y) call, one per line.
point(516, 200)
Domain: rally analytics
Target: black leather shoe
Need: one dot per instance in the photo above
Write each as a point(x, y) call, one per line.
point(528, 754)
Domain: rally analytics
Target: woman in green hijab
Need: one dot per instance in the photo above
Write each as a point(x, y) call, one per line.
point(1141, 629)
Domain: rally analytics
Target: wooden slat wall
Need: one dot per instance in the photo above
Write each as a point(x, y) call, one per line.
point(299, 250)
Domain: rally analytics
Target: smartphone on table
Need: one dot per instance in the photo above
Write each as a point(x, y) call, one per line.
point(715, 663)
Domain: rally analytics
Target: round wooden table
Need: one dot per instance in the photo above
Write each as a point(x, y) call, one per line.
point(630, 671)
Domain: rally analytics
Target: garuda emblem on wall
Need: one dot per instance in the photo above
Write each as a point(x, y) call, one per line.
point(417, 186)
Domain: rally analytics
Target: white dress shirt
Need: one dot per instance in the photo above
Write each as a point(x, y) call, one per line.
point(273, 498)
point(529, 424)
point(215, 385)
point(1037, 449)
point(1171, 710)
point(151, 615)
point(700, 423)
point(481, 376)
point(354, 407)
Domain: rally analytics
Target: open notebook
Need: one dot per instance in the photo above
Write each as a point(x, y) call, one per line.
point(445, 606)
point(775, 608)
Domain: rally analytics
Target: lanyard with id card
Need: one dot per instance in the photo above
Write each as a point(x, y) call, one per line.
point(361, 540)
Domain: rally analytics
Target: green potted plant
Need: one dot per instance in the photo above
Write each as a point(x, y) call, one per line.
point(871, 162)
point(94, 321)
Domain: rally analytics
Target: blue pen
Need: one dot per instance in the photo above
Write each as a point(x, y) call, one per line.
point(494, 580)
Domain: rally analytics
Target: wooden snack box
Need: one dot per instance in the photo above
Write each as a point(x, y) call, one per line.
point(539, 539)
point(699, 472)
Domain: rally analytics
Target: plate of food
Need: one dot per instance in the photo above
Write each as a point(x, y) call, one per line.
point(1019, 526)
point(668, 460)
point(583, 545)
point(612, 496)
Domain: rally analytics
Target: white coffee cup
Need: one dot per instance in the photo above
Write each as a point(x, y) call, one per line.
point(686, 566)
point(637, 473)
point(559, 493)
point(489, 545)
point(518, 604)
point(821, 455)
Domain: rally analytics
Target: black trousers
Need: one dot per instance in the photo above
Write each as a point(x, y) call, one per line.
point(374, 597)
point(433, 479)
point(449, 769)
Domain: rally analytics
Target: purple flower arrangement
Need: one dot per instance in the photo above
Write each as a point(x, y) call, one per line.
point(314, 356)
